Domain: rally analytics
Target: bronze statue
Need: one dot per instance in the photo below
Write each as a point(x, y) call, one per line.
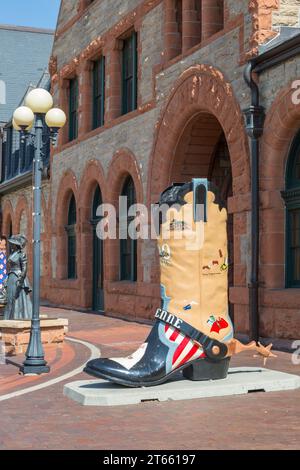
point(18, 306)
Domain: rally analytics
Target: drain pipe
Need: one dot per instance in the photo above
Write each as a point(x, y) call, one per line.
point(255, 116)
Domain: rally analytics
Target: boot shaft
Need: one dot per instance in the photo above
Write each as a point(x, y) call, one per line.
point(194, 258)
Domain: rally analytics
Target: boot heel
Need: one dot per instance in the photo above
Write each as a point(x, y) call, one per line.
point(206, 369)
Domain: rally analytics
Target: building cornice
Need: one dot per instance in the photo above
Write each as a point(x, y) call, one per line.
point(26, 29)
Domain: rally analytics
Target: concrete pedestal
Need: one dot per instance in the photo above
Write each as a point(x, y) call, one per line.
point(239, 381)
point(15, 334)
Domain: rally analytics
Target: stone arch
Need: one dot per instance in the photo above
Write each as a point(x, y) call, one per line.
point(281, 125)
point(123, 164)
point(22, 217)
point(45, 243)
point(68, 186)
point(7, 218)
point(92, 175)
point(200, 89)
point(202, 103)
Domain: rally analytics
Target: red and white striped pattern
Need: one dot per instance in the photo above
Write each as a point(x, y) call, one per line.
point(186, 350)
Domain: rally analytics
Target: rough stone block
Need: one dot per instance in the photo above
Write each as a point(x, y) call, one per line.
point(16, 333)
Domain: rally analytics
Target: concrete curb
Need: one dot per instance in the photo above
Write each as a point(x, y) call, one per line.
point(240, 381)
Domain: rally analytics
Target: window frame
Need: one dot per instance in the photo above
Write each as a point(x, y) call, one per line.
point(129, 105)
point(73, 108)
point(291, 197)
point(98, 92)
point(128, 248)
point(71, 238)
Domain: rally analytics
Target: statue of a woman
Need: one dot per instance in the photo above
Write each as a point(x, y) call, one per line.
point(19, 306)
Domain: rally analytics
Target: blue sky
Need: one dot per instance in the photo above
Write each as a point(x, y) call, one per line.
point(37, 13)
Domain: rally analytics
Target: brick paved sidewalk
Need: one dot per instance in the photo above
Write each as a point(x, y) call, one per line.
point(45, 419)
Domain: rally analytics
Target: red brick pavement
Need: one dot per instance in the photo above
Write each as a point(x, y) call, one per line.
point(45, 419)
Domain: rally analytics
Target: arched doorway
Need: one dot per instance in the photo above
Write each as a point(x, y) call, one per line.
point(292, 202)
point(201, 117)
point(98, 271)
point(202, 152)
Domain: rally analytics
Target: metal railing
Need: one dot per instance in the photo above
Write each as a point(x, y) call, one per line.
point(17, 156)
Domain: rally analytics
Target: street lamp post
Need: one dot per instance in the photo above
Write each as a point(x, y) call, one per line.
point(37, 110)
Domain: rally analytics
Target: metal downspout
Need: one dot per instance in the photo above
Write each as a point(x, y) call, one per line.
point(254, 125)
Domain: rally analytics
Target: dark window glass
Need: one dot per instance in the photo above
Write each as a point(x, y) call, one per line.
point(10, 231)
point(98, 92)
point(73, 109)
point(128, 247)
point(129, 74)
point(71, 233)
point(18, 154)
point(8, 153)
point(292, 200)
point(97, 201)
point(178, 15)
point(294, 247)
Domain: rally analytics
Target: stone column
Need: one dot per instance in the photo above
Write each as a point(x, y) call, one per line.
point(212, 17)
point(191, 25)
point(113, 59)
point(64, 86)
point(173, 39)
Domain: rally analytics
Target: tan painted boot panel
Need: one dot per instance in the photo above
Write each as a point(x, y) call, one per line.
point(194, 269)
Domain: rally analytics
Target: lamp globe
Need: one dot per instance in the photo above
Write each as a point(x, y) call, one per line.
point(39, 100)
point(18, 128)
point(23, 116)
point(55, 118)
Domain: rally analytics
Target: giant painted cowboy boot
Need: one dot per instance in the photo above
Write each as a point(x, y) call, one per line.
point(193, 331)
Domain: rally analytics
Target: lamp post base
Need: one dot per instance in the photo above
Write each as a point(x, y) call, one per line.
point(34, 368)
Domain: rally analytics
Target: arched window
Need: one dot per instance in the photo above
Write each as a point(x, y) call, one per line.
point(98, 262)
point(292, 200)
point(128, 246)
point(10, 230)
point(71, 234)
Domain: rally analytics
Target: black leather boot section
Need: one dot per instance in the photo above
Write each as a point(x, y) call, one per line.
point(150, 370)
point(206, 369)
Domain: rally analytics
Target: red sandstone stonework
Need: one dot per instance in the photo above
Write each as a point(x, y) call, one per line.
point(15, 334)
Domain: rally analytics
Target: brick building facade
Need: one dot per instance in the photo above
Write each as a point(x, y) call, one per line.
point(154, 91)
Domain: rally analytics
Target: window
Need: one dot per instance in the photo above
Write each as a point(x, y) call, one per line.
point(71, 234)
point(84, 4)
point(292, 200)
point(128, 247)
point(8, 153)
point(178, 19)
point(98, 92)
point(129, 74)
point(73, 109)
point(18, 155)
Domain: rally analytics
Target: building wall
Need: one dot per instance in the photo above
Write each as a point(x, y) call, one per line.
point(26, 50)
point(206, 79)
point(287, 14)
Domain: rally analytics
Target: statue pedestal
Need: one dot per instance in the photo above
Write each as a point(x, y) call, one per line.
point(15, 334)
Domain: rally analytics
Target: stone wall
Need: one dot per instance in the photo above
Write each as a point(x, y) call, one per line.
point(96, 20)
point(288, 14)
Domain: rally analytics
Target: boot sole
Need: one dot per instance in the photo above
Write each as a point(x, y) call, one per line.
point(198, 370)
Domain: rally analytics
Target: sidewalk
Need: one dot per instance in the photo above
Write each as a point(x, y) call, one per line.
point(45, 419)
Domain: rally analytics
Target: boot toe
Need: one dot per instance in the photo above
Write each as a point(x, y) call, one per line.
point(107, 369)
